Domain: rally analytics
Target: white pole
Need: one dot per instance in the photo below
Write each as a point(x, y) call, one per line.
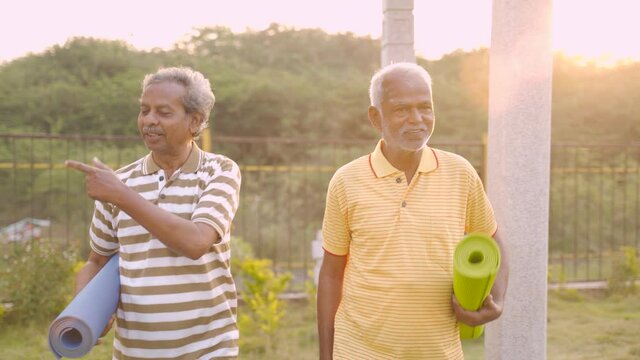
point(397, 32)
point(518, 170)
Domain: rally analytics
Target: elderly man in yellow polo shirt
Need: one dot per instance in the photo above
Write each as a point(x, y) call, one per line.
point(391, 224)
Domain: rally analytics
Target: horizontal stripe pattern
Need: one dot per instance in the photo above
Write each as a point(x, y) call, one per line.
point(400, 240)
point(172, 306)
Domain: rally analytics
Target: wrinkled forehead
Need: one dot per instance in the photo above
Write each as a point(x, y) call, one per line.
point(167, 92)
point(401, 86)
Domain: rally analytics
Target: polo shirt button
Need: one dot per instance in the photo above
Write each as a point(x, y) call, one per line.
point(161, 178)
point(162, 196)
point(398, 180)
point(404, 204)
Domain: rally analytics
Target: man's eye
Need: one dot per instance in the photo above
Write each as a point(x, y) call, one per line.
point(164, 114)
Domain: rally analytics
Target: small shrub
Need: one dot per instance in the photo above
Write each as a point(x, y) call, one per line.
point(37, 281)
point(78, 266)
point(624, 272)
point(556, 273)
point(311, 291)
point(562, 277)
point(260, 290)
point(571, 295)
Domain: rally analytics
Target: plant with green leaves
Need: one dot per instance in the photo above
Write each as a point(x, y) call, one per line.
point(38, 281)
point(261, 288)
point(624, 272)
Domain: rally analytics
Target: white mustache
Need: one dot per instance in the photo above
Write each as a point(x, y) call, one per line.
point(148, 130)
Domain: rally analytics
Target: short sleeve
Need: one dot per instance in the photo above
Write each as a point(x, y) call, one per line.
point(480, 216)
point(219, 200)
point(102, 233)
point(335, 226)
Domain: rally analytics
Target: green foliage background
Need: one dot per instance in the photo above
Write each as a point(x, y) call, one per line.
point(309, 87)
point(287, 82)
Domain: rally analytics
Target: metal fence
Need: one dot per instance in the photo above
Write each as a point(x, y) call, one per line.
point(594, 194)
point(594, 208)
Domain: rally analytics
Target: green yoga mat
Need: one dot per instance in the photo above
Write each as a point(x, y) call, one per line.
point(476, 261)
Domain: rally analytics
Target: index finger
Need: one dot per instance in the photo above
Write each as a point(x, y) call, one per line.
point(80, 166)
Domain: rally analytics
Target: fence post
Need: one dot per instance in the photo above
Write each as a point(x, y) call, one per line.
point(317, 253)
point(206, 140)
point(483, 175)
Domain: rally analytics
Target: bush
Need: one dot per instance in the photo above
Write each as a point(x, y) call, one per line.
point(37, 281)
point(624, 272)
point(260, 289)
point(571, 295)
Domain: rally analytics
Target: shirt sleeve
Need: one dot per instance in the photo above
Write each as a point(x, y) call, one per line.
point(218, 202)
point(102, 233)
point(335, 226)
point(480, 216)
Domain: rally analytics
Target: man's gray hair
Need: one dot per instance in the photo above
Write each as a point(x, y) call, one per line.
point(376, 91)
point(198, 98)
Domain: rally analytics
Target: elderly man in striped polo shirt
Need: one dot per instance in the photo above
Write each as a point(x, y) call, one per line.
point(168, 215)
point(392, 221)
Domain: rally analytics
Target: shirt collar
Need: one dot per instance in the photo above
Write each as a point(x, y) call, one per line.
point(381, 167)
point(191, 165)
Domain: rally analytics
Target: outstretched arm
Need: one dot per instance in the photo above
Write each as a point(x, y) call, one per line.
point(329, 297)
point(180, 235)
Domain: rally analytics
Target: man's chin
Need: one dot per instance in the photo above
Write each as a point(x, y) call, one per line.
point(152, 145)
point(415, 146)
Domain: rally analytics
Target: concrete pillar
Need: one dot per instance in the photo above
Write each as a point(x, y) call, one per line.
point(397, 32)
point(518, 170)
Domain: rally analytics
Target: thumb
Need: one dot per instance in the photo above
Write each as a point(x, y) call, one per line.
point(100, 165)
point(488, 300)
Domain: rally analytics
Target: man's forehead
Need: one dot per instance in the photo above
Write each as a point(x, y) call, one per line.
point(158, 105)
point(403, 92)
point(402, 78)
point(163, 94)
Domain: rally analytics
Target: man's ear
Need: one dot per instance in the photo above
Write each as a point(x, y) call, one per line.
point(375, 117)
point(196, 121)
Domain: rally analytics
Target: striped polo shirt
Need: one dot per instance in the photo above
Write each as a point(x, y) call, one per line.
point(400, 239)
point(173, 307)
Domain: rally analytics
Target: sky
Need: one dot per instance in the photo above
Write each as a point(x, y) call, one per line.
point(597, 29)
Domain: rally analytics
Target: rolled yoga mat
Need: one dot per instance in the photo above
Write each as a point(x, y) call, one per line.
point(75, 331)
point(476, 261)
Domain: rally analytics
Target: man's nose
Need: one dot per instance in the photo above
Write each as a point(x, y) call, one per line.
point(414, 115)
point(149, 118)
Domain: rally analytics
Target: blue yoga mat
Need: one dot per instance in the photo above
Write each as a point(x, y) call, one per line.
point(75, 331)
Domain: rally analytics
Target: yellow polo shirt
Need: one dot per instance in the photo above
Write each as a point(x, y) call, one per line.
point(400, 239)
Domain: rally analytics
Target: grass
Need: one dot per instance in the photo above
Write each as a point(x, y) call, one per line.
point(586, 328)
point(579, 327)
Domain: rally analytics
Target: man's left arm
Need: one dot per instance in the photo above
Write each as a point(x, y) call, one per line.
point(185, 237)
point(494, 303)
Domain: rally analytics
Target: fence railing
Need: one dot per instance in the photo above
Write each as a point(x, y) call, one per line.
point(594, 206)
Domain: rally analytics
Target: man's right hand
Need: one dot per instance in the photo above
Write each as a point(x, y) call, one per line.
point(101, 182)
point(106, 329)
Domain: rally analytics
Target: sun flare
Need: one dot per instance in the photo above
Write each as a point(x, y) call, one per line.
point(597, 32)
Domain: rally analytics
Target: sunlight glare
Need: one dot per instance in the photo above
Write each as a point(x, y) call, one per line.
point(597, 32)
